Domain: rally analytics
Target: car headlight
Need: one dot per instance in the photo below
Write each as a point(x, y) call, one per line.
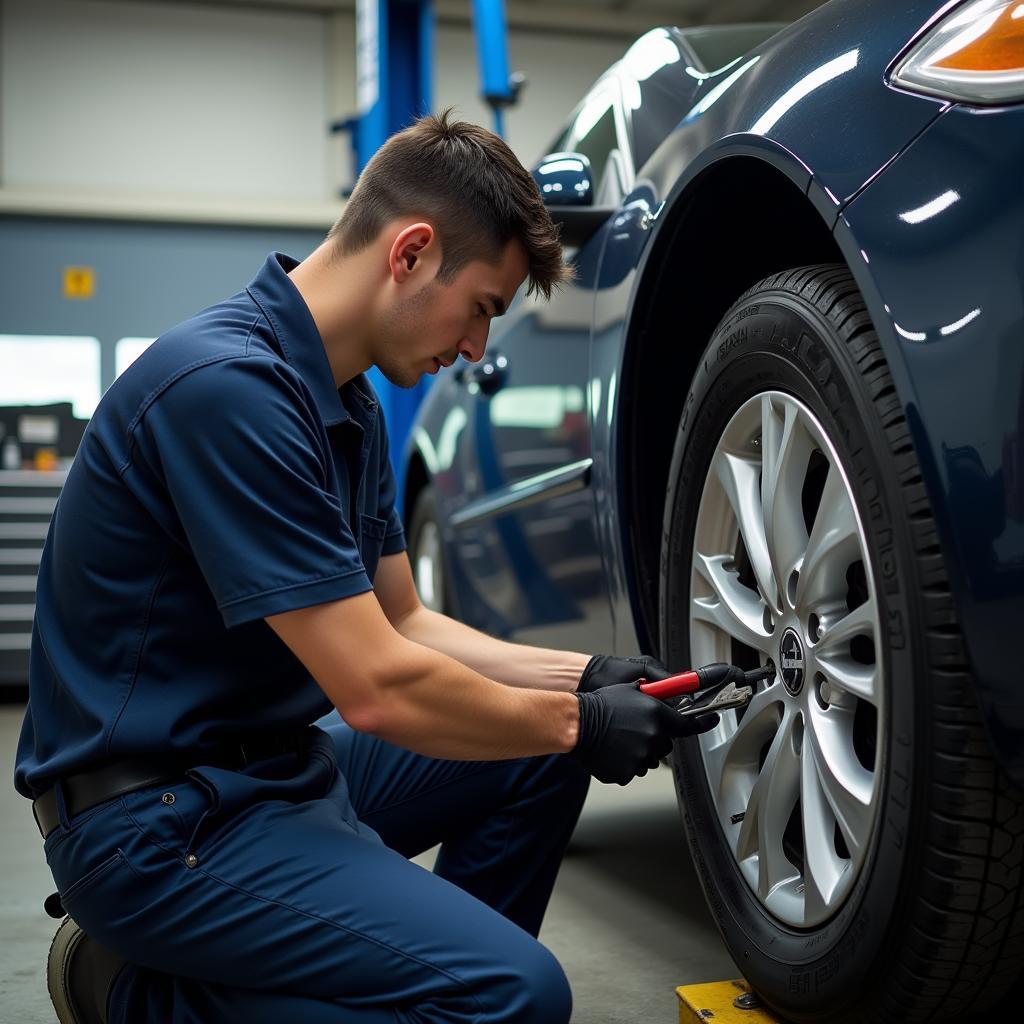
point(973, 55)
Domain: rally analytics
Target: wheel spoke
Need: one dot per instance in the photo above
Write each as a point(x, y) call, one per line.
point(834, 660)
point(731, 752)
point(771, 802)
point(738, 476)
point(786, 450)
point(822, 865)
point(762, 713)
point(859, 622)
point(845, 783)
point(849, 675)
point(733, 608)
point(833, 545)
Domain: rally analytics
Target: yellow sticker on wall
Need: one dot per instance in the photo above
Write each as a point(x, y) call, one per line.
point(79, 282)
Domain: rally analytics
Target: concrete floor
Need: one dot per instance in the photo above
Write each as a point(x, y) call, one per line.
point(627, 919)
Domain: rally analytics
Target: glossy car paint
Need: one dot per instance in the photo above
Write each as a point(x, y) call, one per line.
point(938, 252)
point(780, 104)
point(812, 102)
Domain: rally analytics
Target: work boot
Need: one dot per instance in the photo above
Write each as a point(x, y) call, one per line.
point(79, 974)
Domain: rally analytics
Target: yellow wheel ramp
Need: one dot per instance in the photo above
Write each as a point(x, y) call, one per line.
point(722, 1002)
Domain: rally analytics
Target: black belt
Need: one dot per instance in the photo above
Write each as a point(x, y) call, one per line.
point(87, 789)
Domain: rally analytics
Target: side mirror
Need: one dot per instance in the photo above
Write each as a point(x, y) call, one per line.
point(565, 179)
point(567, 186)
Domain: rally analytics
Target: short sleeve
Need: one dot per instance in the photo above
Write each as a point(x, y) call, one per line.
point(246, 465)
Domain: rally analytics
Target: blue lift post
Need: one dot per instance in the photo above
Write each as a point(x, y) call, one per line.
point(394, 72)
point(499, 88)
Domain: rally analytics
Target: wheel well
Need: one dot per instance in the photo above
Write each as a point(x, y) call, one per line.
point(416, 478)
point(739, 222)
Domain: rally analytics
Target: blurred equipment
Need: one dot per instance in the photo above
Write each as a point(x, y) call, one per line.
point(394, 69)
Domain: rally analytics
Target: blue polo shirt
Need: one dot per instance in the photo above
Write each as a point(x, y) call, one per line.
point(222, 478)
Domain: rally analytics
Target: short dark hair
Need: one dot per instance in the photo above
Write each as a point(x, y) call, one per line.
point(467, 182)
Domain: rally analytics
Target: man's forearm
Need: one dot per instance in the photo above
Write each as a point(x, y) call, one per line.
point(512, 664)
point(437, 706)
point(417, 698)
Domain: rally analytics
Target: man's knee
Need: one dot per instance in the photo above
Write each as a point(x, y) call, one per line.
point(550, 994)
point(537, 990)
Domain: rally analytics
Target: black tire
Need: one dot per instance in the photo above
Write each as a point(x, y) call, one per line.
point(931, 928)
point(423, 520)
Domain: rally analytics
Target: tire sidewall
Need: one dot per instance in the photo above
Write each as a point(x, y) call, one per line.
point(777, 340)
point(424, 510)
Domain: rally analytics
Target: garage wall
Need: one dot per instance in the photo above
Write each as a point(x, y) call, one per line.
point(163, 98)
point(148, 277)
point(204, 100)
point(559, 69)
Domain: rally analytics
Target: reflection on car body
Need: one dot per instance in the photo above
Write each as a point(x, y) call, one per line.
point(827, 471)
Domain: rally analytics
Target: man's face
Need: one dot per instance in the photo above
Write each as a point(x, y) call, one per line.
point(438, 322)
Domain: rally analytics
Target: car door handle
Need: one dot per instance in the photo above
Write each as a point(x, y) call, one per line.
point(488, 375)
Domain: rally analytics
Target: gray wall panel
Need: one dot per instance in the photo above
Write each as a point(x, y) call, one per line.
point(148, 276)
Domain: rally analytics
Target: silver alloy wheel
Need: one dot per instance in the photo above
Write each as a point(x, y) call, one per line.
point(429, 573)
point(795, 777)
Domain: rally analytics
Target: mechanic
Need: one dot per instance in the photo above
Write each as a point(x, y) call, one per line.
point(225, 564)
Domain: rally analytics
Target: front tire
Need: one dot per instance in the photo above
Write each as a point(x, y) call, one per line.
point(859, 848)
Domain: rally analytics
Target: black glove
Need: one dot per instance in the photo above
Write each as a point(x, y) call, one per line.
point(604, 670)
point(623, 732)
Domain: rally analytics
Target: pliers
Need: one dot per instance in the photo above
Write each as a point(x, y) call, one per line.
point(719, 687)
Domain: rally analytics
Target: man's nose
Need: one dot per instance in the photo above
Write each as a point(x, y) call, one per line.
point(472, 348)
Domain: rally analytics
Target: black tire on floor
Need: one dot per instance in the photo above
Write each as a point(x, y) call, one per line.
point(425, 518)
point(932, 927)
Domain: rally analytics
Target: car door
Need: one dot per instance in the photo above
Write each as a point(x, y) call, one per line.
point(523, 535)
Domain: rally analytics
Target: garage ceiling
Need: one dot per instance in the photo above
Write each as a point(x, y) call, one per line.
point(692, 12)
point(622, 17)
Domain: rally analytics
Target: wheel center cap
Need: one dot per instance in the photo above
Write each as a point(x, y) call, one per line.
point(791, 656)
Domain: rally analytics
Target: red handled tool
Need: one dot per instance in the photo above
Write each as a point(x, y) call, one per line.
point(707, 677)
point(685, 682)
point(717, 685)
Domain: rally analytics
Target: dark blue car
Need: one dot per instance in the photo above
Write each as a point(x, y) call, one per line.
point(779, 418)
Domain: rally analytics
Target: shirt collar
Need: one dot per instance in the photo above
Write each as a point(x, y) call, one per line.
point(297, 334)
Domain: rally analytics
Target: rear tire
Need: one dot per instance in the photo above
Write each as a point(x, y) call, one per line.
point(426, 553)
point(929, 924)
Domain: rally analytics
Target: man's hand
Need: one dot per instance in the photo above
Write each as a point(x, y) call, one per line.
point(623, 732)
point(604, 670)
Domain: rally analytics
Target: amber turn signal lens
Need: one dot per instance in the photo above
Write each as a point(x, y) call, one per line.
point(975, 54)
point(999, 48)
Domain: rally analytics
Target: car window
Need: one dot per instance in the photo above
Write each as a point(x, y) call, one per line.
point(656, 93)
point(594, 134)
point(559, 144)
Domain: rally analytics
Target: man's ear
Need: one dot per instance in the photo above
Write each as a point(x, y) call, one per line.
point(411, 248)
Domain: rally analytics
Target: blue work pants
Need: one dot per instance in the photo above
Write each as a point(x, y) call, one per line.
point(283, 892)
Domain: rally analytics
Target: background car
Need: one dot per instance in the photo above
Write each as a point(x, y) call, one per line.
point(777, 418)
